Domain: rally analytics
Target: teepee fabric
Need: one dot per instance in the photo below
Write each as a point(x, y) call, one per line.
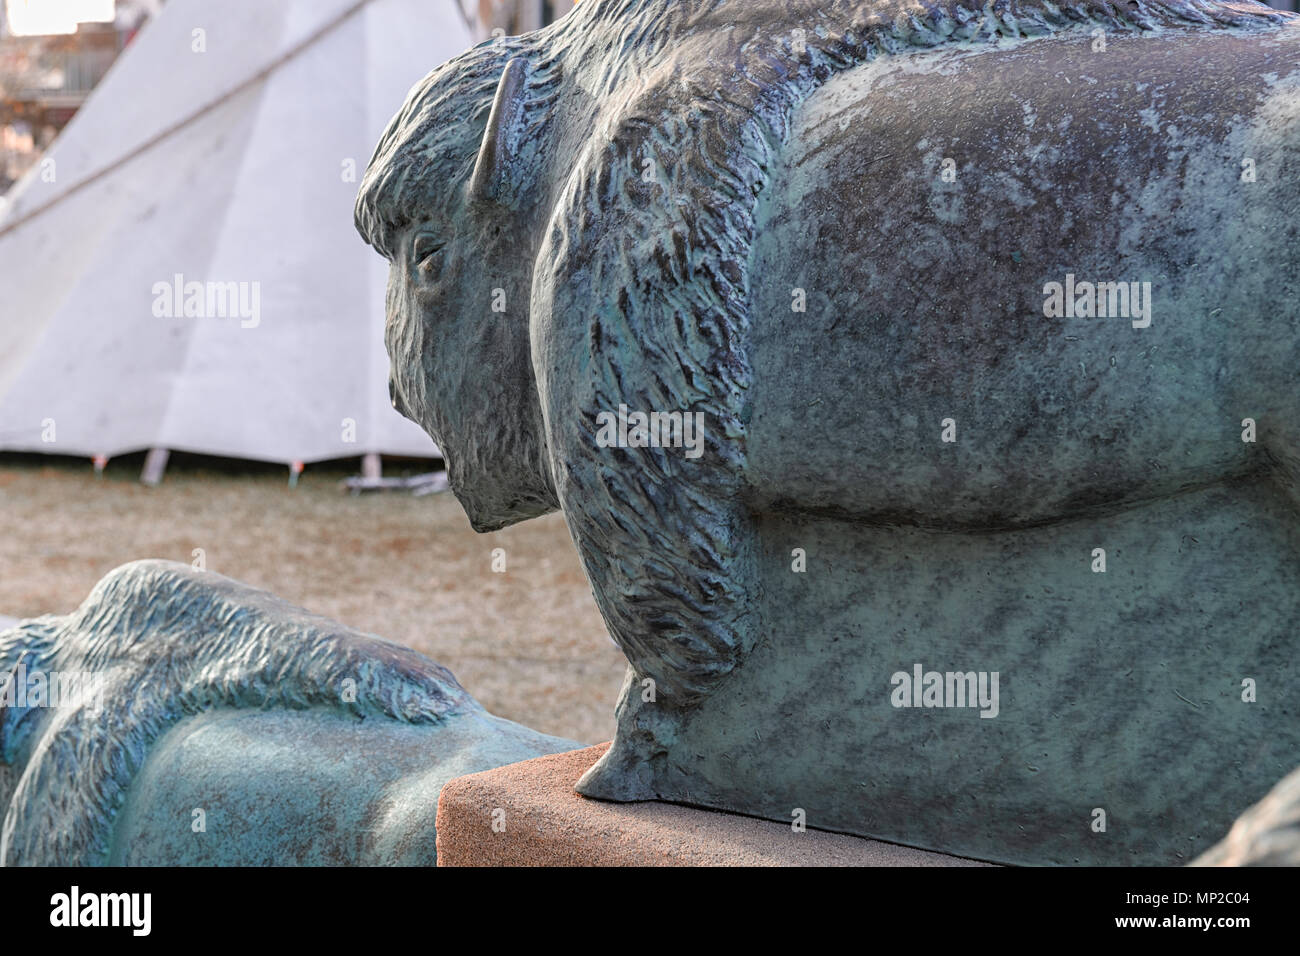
point(182, 272)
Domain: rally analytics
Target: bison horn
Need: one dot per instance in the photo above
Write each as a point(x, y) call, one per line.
point(492, 179)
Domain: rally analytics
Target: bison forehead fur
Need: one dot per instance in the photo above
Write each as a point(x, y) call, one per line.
point(521, 165)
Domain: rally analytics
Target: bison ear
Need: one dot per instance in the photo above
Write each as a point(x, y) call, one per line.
point(496, 176)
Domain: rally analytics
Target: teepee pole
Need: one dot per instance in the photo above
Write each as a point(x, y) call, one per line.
point(155, 464)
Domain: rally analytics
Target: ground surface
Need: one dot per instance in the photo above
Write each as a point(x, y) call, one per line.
point(528, 643)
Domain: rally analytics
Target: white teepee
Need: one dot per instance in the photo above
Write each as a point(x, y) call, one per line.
point(181, 269)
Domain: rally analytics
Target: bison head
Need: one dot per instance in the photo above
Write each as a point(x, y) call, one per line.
point(441, 201)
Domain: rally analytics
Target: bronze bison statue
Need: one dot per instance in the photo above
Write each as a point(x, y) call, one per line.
point(863, 340)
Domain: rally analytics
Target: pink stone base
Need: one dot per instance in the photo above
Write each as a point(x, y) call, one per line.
point(547, 824)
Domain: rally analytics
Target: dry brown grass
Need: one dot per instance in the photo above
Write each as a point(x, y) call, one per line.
point(528, 643)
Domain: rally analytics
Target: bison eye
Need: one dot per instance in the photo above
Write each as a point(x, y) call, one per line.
point(427, 254)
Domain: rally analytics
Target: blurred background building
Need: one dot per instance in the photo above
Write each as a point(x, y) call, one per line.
point(52, 54)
